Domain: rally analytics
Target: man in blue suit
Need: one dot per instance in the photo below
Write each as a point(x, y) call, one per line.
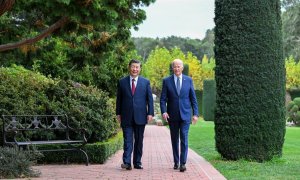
point(177, 103)
point(134, 108)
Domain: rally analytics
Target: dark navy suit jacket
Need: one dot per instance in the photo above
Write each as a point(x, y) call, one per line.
point(179, 107)
point(134, 107)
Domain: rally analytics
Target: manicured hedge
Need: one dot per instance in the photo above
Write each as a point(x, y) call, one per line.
point(209, 99)
point(98, 152)
point(250, 79)
point(199, 95)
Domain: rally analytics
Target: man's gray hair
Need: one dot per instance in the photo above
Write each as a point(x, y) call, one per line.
point(177, 60)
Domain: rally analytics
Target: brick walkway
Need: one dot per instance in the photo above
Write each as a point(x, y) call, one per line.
point(157, 161)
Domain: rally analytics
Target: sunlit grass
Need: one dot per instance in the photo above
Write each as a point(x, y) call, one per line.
point(201, 140)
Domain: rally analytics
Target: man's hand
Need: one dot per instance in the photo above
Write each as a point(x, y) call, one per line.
point(119, 118)
point(149, 118)
point(165, 116)
point(195, 119)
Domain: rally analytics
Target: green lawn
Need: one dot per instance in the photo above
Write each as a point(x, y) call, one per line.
point(201, 140)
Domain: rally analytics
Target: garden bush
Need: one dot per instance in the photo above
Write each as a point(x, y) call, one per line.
point(26, 92)
point(293, 111)
point(98, 152)
point(16, 163)
point(209, 99)
point(199, 95)
point(86, 107)
point(294, 93)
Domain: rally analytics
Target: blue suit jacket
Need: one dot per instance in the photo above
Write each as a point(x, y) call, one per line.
point(179, 107)
point(134, 107)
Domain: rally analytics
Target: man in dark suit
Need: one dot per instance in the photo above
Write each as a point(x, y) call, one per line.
point(177, 101)
point(134, 108)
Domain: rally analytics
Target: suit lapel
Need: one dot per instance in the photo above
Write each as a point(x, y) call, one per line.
point(183, 84)
point(138, 84)
point(128, 87)
point(173, 83)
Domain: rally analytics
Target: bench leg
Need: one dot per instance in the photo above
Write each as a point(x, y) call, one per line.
point(86, 156)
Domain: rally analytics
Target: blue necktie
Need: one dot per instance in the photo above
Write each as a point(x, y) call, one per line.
point(178, 85)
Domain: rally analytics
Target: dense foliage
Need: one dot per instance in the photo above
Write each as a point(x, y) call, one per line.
point(292, 73)
point(291, 30)
point(209, 99)
point(250, 79)
point(293, 111)
point(91, 44)
point(25, 92)
point(198, 47)
point(158, 62)
point(16, 163)
point(289, 3)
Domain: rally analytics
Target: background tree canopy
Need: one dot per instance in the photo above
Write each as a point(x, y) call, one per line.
point(198, 47)
point(289, 3)
point(291, 28)
point(86, 41)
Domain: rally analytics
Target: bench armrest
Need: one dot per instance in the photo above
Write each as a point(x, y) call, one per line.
point(82, 131)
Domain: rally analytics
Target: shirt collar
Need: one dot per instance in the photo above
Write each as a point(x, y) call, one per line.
point(136, 78)
point(180, 77)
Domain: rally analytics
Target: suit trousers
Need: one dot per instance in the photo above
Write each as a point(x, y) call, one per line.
point(179, 129)
point(133, 141)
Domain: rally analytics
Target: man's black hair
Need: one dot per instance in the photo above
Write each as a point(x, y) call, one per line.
point(135, 61)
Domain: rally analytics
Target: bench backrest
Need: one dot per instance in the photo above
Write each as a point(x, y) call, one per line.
point(39, 123)
point(30, 122)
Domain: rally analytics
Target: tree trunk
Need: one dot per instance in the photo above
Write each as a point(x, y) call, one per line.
point(6, 5)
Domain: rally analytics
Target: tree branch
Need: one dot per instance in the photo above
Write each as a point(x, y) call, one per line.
point(44, 34)
point(6, 5)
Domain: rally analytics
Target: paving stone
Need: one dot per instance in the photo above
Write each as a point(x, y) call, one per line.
point(157, 162)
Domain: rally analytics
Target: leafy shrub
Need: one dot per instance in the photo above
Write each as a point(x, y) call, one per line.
point(209, 99)
point(294, 93)
point(15, 163)
point(86, 107)
point(26, 92)
point(22, 91)
point(293, 111)
point(98, 152)
point(292, 74)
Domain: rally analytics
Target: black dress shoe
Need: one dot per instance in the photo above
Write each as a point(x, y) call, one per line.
point(126, 166)
point(138, 167)
point(182, 168)
point(175, 166)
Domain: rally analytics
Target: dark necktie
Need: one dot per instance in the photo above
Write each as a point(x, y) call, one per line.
point(133, 86)
point(178, 85)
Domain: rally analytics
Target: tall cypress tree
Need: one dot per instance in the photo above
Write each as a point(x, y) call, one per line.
point(250, 79)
